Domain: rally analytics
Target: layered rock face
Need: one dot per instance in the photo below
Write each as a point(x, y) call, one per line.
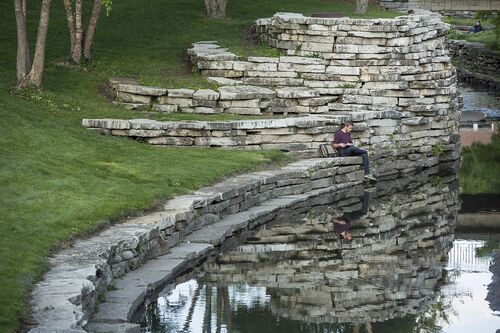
point(392, 77)
point(478, 65)
point(390, 269)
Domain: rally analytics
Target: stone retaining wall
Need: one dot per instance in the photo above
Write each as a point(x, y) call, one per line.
point(70, 291)
point(479, 66)
point(475, 56)
point(448, 6)
point(392, 77)
point(397, 144)
point(240, 99)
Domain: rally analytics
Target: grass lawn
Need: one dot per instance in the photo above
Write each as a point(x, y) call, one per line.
point(58, 180)
point(488, 38)
point(479, 169)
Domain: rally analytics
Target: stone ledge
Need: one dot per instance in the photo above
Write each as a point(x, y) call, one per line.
point(89, 268)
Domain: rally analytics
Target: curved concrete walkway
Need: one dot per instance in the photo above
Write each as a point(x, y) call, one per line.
point(118, 269)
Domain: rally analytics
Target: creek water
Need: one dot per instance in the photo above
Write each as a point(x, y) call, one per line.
point(476, 100)
point(403, 271)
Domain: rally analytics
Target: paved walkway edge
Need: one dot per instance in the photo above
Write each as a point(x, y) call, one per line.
point(144, 253)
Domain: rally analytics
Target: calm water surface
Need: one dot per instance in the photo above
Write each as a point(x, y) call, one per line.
point(483, 101)
point(404, 271)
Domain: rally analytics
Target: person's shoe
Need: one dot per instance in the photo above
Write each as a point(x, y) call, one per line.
point(370, 177)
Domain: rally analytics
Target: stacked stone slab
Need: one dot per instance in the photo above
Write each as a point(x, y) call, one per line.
point(240, 99)
point(299, 134)
point(449, 7)
point(80, 275)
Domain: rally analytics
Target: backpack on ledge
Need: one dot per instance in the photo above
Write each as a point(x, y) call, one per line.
point(327, 150)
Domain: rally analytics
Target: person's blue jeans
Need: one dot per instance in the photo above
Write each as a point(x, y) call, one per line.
point(355, 151)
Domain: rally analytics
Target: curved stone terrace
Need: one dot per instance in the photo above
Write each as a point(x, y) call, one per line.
point(392, 77)
point(399, 88)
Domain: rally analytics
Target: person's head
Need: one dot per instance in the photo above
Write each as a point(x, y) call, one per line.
point(478, 22)
point(347, 126)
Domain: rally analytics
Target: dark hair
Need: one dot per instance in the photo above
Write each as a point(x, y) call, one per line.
point(345, 124)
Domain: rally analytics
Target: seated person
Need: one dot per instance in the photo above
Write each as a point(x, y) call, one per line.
point(342, 141)
point(477, 27)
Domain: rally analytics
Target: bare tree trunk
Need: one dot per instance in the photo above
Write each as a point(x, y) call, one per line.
point(89, 36)
point(28, 57)
point(71, 24)
point(361, 6)
point(22, 60)
point(76, 56)
point(216, 9)
point(35, 75)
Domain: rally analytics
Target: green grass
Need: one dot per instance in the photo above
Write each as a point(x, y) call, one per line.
point(459, 21)
point(487, 38)
point(479, 169)
point(58, 180)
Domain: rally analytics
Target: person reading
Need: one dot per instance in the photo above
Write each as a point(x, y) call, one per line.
point(342, 141)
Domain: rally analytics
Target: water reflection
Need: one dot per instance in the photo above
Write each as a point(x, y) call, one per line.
point(296, 274)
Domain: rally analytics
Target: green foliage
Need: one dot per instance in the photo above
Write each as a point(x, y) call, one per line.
point(437, 149)
point(107, 6)
point(479, 167)
point(487, 38)
point(459, 21)
point(488, 249)
point(490, 38)
point(265, 50)
point(437, 181)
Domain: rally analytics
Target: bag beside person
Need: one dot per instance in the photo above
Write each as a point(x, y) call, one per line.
point(327, 150)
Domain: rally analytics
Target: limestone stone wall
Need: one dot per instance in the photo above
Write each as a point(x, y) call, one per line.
point(478, 65)
point(69, 292)
point(475, 56)
point(237, 99)
point(396, 144)
point(392, 77)
point(441, 5)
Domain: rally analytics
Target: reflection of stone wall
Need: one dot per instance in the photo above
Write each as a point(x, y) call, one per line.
point(391, 268)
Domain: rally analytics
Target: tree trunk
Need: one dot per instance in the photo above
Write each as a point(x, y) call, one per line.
point(216, 9)
point(361, 6)
point(28, 56)
point(22, 60)
point(76, 55)
point(70, 17)
point(35, 75)
point(89, 36)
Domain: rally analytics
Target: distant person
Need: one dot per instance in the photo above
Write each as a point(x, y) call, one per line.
point(342, 141)
point(477, 27)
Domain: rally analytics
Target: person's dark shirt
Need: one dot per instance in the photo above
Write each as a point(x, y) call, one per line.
point(341, 137)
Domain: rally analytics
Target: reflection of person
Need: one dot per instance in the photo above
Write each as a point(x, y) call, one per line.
point(477, 27)
point(342, 141)
point(342, 224)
